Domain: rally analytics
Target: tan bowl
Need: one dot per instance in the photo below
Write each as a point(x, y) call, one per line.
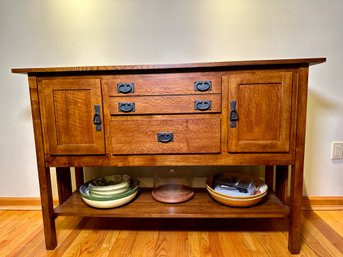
point(236, 202)
point(258, 182)
point(252, 197)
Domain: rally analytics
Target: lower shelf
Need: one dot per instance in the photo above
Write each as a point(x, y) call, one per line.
point(201, 206)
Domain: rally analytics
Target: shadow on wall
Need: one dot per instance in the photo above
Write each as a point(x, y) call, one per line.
point(324, 115)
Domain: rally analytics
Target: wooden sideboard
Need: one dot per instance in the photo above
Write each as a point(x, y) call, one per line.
point(217, 114)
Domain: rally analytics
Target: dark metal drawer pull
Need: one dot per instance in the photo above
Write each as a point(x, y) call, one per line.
point(203, 85)
point(233, 114)
point(165, 137)
point(126, 107)
point(202, 105)
point(97, 118)
point(125, 88)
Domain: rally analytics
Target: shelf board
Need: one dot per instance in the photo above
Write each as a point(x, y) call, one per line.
point(201, 206)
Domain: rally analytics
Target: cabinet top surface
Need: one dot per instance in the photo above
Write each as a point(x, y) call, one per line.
point(201, 65)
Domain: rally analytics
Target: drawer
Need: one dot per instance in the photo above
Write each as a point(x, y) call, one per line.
point(210, 103)
point(166, 136)
point(163, 84)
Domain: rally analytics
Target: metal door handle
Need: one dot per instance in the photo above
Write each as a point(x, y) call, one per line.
point(97, 118)
point(233, 114)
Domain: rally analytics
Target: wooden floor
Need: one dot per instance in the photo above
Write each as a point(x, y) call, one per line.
point(21, 234)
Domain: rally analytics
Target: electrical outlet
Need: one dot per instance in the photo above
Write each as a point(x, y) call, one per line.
point(337, 150)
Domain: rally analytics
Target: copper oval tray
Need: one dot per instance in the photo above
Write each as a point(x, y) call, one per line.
point(172, 193)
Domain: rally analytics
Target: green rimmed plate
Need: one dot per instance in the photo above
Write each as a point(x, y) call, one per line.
point(85, 192)
point(110, 182)
point(110, 203)
point(108, 192)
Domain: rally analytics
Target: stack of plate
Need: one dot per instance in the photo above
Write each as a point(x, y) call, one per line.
point(109, 191)
point(236, 189)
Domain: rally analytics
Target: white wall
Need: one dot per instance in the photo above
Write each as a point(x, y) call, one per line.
point(37, 33)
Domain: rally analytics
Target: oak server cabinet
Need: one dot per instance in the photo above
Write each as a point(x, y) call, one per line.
point(223, 113)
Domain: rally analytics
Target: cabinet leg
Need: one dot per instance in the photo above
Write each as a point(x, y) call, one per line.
point(43, 172)
point(79, 177)
point(281, 183)
point(63, 183)
point(269, 176)
point(294, 235)
point(47, 208)
point(296, 181)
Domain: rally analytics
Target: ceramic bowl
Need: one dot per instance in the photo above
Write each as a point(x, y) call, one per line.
point(236, 202)
point(262, 187)
point(110, 203)
point(113, 192)
point(85, 192)
point(111, 182)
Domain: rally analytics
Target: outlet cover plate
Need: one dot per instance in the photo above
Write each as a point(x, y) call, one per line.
point(337, 150)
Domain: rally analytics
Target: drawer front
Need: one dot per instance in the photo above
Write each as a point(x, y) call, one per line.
point(163, 84)
point(165, 136)
point(210, 103)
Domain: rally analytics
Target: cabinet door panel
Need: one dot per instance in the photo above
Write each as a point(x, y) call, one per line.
point(263, 103)
point(68, 109)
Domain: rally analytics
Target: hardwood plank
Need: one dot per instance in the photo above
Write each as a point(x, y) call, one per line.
point(69, 230)
point(146, 241)
point(314, 230)
point(334, 219)
point(199, 243)
point(330, 234)
point(14, 234)
point(162, 237)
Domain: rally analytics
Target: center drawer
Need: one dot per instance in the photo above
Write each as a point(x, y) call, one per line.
point(210, 103)
point(165, 136)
